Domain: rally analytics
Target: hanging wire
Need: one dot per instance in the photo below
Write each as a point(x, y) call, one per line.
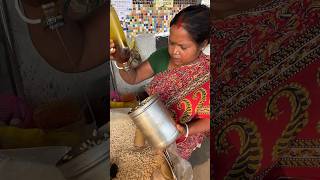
point(38, 21)
point(84, 94)
point(23, 17)
point(113, 77)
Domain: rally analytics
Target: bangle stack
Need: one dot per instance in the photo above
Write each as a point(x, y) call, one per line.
point(125, 66)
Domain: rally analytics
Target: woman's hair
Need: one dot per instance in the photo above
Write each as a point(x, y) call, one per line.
point(195, 20)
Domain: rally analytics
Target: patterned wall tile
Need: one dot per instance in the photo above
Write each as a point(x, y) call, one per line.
point(145, 18)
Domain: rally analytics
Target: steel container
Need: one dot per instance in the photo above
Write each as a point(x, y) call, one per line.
point(155, 122)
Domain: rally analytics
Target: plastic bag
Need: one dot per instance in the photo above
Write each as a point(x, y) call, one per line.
point(182, 168)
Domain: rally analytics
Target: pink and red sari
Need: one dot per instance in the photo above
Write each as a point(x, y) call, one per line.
point(266, 91)
point(186, 93)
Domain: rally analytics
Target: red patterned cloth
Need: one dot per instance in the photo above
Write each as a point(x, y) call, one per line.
point(186, 93)
point(266, 92)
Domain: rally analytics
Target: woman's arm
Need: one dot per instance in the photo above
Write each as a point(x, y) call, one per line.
point(137, 75)
point(195, 126)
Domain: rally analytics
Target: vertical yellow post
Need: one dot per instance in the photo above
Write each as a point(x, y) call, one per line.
point(118, 36)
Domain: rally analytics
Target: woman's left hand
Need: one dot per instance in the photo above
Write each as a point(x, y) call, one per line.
point(182, 131)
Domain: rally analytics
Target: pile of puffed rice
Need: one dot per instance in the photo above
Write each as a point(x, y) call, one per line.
point(133, 163)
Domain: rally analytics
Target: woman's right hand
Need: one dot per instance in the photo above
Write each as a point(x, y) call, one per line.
point(119, 55)
point(112, 49)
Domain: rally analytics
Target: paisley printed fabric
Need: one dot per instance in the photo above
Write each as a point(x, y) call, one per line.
point(186, 93)
point(266, 93)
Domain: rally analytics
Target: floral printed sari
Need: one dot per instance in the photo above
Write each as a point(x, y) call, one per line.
point(266, 84)
point(186, 93)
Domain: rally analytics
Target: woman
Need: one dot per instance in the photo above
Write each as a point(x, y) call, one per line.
point(266, 90)
point(180, 75)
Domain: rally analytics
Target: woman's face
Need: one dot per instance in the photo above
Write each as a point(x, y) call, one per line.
point(182, 49)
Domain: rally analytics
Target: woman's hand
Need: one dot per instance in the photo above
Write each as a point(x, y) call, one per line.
point(182, 131)
point(195, 126)
point(121, 55)
point(112, 49)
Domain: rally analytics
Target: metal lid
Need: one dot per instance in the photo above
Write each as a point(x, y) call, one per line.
point(143, 106)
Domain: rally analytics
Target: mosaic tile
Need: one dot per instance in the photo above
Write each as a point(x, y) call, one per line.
point(145, 18)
